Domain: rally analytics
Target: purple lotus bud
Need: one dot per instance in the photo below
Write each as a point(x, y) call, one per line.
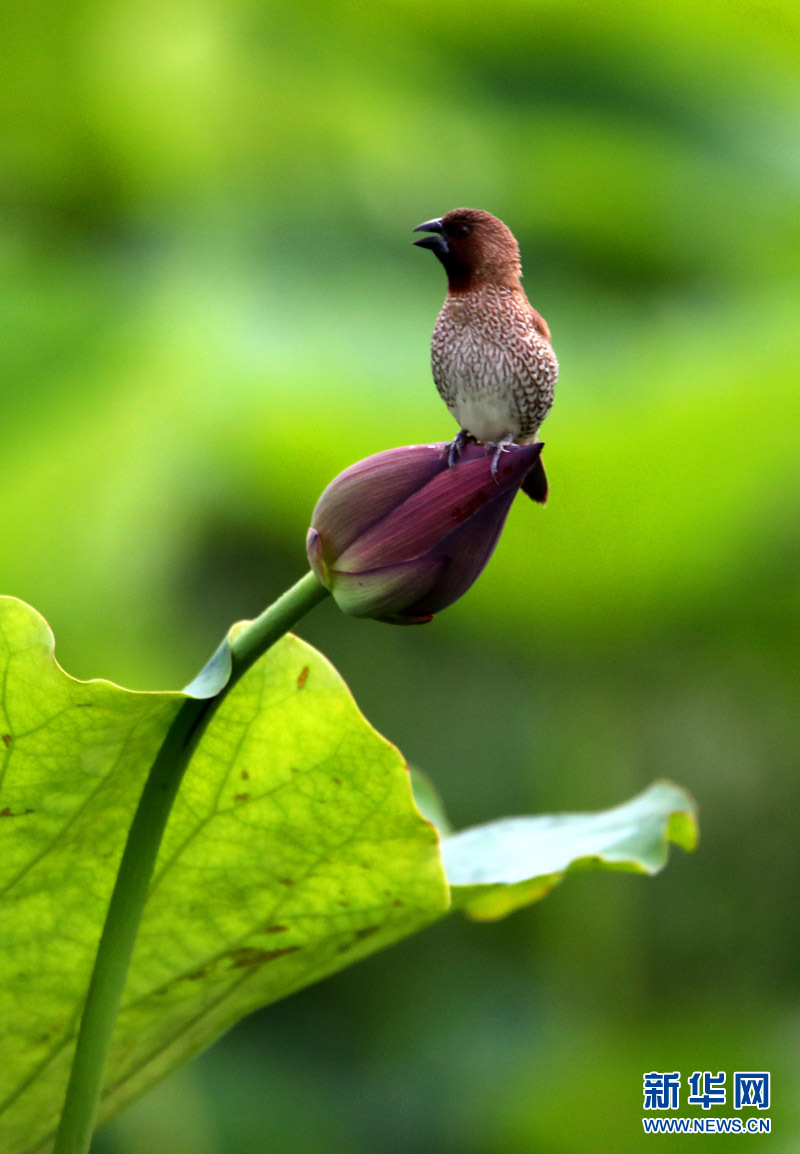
point(400, 535)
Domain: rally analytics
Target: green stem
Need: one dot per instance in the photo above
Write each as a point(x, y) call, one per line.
point(138, 861)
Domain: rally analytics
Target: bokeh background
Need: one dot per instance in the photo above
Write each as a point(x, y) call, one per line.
point(209, 306)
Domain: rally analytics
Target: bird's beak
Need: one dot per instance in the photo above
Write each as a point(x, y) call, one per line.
point(436, 243)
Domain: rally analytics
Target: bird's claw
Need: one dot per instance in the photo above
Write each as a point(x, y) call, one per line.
point(499, 447)
point(456, 446)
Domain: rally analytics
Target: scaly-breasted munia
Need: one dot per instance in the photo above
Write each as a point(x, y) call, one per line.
point(492, 359)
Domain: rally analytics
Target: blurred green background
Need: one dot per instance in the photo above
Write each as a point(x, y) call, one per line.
point(210, 305)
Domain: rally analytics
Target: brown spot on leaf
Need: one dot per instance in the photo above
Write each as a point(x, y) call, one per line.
point(286, 881)
point(7, 812)
point(367, 932)
point(275, 929)
point(397, 902)
point(337, 780)
point(242, 797)
point(6, 740)
point(250, 956)
point(245, 775)
point(344, 905)
point(303, 677)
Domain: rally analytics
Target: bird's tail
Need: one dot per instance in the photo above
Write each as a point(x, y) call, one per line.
point(535, 484)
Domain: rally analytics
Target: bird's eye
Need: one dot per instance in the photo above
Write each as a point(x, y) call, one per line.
point(462, 230)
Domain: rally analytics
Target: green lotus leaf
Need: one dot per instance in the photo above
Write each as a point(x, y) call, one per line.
point(496, 868)
point(294, 848)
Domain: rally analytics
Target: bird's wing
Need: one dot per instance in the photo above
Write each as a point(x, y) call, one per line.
point(540, 324)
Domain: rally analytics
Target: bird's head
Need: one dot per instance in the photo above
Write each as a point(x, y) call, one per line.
point(475, 248)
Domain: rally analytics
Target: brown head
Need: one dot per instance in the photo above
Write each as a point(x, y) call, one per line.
point(475, 248)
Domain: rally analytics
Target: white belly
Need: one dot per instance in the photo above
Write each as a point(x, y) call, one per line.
point(489, 416)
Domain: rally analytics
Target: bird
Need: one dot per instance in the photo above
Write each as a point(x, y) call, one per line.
point(491, 352)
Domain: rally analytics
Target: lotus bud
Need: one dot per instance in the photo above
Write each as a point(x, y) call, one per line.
point(401, 535)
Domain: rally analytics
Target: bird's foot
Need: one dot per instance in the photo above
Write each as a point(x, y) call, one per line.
point(499, 448)
point(456, 446)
